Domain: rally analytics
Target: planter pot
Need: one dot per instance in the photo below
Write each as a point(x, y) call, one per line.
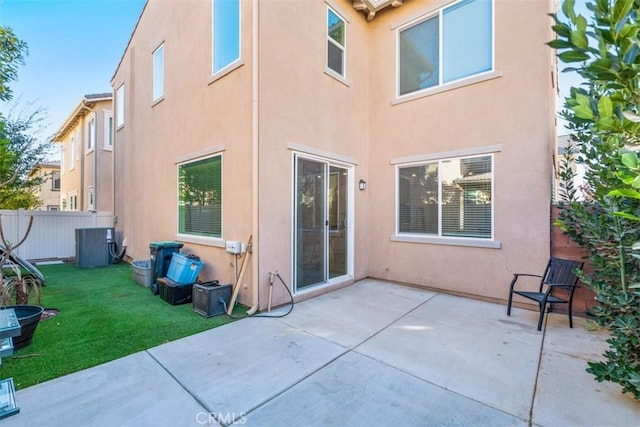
point(28, 316)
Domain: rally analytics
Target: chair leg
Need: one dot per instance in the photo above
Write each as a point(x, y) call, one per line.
point(513, 282)
point(570, 314)
point(542, 308)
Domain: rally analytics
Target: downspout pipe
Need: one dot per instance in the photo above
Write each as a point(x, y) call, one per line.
point(255, 152)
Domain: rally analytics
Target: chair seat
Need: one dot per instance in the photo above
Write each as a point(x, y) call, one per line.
point(539, 296)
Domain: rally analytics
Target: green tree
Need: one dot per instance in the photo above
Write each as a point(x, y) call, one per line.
point(12, 54)
point(21, 150)
point(604, 119)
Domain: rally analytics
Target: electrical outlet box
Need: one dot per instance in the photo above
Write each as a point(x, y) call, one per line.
point(233, 247)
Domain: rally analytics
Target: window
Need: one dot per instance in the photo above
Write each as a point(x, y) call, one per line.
point(120, 106)
point(108, 130)
point(91, 197)
point(72, 153)
point(73, 202)
point(335, 42)
point(200, 197)
point(55, 181)
point(91, 133)
point(158, 73)
point(453, 43)
point(226, 33)
point(447, 198)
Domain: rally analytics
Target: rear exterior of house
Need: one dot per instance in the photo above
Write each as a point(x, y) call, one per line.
point(86, 167)
point(346, 143)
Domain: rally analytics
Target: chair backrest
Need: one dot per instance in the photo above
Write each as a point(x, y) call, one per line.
point(560, 272)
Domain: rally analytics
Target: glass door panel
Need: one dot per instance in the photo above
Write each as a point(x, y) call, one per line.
point(310, 223)
point(337, 215)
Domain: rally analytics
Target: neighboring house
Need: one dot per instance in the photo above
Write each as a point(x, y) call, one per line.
point(86, 139)
point(411, 143)
point(48, 192)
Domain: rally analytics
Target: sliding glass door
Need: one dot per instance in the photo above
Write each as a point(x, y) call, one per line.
point(321, 222)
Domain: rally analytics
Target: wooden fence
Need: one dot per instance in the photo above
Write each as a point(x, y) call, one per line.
point(52, 233)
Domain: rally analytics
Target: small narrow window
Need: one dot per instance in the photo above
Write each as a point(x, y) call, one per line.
point(91, 134)
point(108, 130)
point(120, 106)
point(91, 197)
point(158, 73)
point(55, 181)
point(335, 42)
point(226, 33)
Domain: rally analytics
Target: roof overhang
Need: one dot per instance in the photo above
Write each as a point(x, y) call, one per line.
point(84, 106)
point(371, 7)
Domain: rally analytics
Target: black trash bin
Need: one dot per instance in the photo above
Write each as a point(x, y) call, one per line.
point(160, 256)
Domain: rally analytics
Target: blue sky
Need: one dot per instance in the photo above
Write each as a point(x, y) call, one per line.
point(74, 49)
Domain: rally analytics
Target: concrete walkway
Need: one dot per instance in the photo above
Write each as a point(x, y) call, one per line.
point(372, 354)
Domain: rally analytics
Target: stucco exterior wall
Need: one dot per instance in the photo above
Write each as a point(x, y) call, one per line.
point(195, 116)
point(303, 109)
point(512, 111)
point(294, 107)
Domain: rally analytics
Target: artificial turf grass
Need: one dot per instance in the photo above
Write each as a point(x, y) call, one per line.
point(103, 315)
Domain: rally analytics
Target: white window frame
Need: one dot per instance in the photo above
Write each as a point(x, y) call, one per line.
point(91, 198)
point(91, 133)
point(120, 106)
point(195, 238)
point(158, 73)
point(108, 130)
point(328, 69)
point(72, 151)
point(439, 238)
point(73, 201)
point(236, 62)
point(473, 78)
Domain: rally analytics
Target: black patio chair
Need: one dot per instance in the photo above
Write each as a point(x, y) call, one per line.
point(558, 274)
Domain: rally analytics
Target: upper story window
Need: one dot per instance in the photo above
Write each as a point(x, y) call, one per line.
point(200, 197)
point(335, 42)
point(91, 133)
point(158, 73)
point(108, 130)
point(453, 43)
point(72, 153)
point(447, 198)
point(226, 33)
point(120, 106)
point(55, 180)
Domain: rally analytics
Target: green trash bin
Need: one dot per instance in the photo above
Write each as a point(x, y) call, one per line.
point(160, 257)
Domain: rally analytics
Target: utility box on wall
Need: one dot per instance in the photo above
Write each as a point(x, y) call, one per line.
point(92, 246)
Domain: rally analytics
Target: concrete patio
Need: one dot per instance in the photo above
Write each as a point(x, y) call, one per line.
point(372, 354)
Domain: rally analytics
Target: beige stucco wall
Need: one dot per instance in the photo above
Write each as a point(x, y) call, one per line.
point(83, 168)
point(194, 116)
point(302, 109)
point(512, 111)
point(300, 104)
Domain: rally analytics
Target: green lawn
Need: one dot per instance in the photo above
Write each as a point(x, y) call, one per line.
point(104, 315)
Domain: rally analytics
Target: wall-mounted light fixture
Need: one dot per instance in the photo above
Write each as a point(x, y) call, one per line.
point(362, 185)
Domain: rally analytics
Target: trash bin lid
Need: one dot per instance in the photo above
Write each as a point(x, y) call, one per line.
point(166, 244)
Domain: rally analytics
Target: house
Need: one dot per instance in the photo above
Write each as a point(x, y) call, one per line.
point(410, 141)
point(48, 191)
point(86, 169)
